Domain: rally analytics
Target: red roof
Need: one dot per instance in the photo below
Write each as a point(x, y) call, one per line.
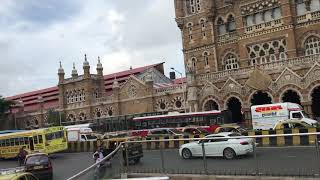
point(51, 95)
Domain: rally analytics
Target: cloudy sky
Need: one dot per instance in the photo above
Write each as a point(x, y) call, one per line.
point(36, 34)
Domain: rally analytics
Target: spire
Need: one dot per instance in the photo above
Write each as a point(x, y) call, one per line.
point(74, 71)
point(85, 63)
point(60, 70)
point(99, 65)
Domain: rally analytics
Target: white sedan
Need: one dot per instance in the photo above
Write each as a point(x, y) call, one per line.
point(218, 145)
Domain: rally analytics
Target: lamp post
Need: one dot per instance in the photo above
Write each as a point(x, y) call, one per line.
point(184, 93)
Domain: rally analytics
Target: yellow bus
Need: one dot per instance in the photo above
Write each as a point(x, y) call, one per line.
point(46, 140)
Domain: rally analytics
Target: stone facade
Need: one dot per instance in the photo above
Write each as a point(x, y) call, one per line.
point(225, 41)
point(83, 97)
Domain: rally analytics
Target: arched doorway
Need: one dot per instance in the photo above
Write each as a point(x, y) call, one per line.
point(234, 105)
point(291, 96)
point(260, 98)
point(316, 102)
point(211, 105)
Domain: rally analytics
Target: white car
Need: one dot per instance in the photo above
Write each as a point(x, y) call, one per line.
point(217, 145)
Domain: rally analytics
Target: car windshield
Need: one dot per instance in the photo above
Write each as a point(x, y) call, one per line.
point(34, 160)
point(91, 137)
point(176, 131)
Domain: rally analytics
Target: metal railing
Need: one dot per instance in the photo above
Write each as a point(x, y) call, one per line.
point(292, 161)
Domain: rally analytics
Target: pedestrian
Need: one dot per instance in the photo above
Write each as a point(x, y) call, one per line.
point(97, 159)
point(22, 155)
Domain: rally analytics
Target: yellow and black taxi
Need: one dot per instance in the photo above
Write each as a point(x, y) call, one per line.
point(16, 174)
point(39, 164)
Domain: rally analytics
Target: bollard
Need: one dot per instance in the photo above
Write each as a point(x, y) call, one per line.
point(162, 159)
point(204, 158)
point(317, 157)
point(255, 158)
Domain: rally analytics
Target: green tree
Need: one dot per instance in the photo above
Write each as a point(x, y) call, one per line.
point(54, 117)
point(5, 106)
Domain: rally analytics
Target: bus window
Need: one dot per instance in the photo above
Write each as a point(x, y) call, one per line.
point(1, 143)
point(26, 140)
point(40, 139)
point(49, 137)
point(35, 139)
point(16, 141)
point(11, 142)
point(21, 141)
point(7, 142)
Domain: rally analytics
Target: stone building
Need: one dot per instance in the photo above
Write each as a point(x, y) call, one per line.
point(239, 53)
point(97, 96)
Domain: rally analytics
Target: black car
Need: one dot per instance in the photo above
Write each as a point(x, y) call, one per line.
point(39, 164)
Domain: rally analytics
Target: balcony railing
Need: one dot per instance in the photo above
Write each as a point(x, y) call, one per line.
point(104, 99)
point(263, 26)
point(309, 16)
point(293, 63)
point(227, 37)
point(171, 89)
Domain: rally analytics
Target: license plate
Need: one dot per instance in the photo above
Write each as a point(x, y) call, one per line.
point(135, 152)
point(37, 167)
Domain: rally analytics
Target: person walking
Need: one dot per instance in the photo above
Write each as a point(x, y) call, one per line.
point(22, 155)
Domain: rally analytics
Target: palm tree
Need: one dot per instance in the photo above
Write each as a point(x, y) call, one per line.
point(5, 106)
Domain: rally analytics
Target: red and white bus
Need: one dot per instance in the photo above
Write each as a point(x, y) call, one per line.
point(176, 120)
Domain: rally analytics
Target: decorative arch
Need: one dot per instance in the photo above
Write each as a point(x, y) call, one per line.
point(291, 87)
point(311, 88)
point(97, 113)
point(255, 92)
point(82, 116)
point(232, 95)
point(210, 98)
point(177, 102)
point(219, 18)
point(234, 105)
point(71, 117)
point(162, 105)
point(230, 61)
point(306, 35)
point(109, 111)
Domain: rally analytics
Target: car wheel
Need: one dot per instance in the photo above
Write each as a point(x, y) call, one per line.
point(229, 153)
point(186, 154)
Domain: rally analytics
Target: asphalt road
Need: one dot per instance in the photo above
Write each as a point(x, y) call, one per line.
point(64, 165)
point(270, 161)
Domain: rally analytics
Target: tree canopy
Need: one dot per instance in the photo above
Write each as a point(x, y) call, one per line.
point(5, 105)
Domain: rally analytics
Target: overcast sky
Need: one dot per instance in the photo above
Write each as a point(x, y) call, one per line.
point(36, 34)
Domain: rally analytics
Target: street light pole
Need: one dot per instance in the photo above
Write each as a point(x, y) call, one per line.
point(184, 93)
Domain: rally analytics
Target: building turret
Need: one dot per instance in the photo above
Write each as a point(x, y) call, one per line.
point(61, 73)
point(86, 68)
point(74, 73)
point(99, 68)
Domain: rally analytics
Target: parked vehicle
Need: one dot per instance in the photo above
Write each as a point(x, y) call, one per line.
point(218, 145)
point(266, 116)
point(80, 134)
point(39, 164)
point(165, 131)
point(230, 128)
point(16, 174)
point(290, 124)
point(193, 130)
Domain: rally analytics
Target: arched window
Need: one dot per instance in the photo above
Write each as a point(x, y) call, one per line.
point(249, 20)
point(206, 58)
point(258, 18)
point(283, 56)
point(231, 24)
point(221, 26)
point(273, 58)
point(268, 16)
point(312, 46)
point(190, 30)
point(277, 13)
point(193, 63)
point(195, 6)
point(231, 62)
point(300, 7)
point(315, 5)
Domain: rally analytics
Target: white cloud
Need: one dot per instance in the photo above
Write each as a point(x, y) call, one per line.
point(123, 33)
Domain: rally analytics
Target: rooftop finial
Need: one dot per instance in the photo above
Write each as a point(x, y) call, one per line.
point(99, 65)
point(85, 63)
point(60, 70)
point(74, 65)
